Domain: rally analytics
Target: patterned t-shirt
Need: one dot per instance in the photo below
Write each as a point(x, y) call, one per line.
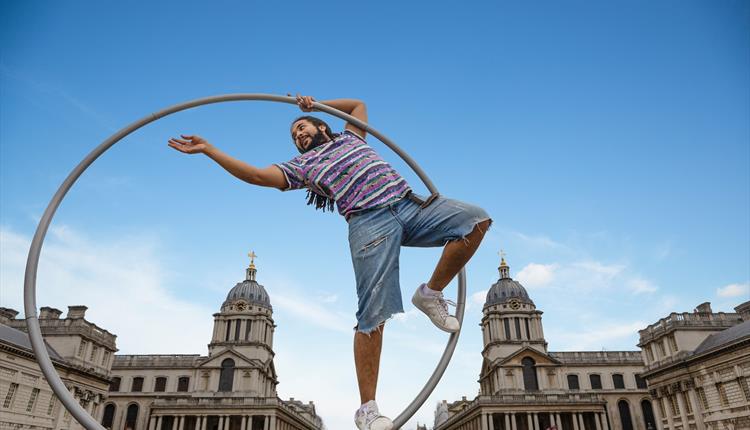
point(347, 170)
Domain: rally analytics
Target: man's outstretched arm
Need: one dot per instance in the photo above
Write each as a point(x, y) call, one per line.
point(269, 177)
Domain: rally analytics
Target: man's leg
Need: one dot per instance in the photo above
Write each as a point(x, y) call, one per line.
point(367, 361)
point(455, 255)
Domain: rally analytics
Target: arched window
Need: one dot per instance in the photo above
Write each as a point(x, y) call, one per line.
point(109, 416)
point(137, 384)
point(115, 384)
point(529, 374)
point(131, 417)
point(618, 381)
point(183, 383)
point(160, 385)
point(573, 382)
point(226, 378)
point(625, 420)
point(596, 381)
point(648, 415)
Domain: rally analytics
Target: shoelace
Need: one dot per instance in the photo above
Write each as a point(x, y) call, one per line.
point(443, 305)
point(370, 415)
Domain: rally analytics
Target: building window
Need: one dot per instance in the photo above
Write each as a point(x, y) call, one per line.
point(506, 324)
point(674, 405)
point(528, 329)
point(160, 385)
point(137, 386)
point(248, 326)
point(596, 382)
point(660, 347)
point(673, 343)
point(573, 382)
point(625, 420)
point(648, 415)
point(722, 394)
point(109, 416)
point(529, 374)
point(228, 330)
point(688, 406)
point(649, 353)
point(32, 399)
point(702, 396)
point(82, 348)
point(518, 328)
point(640, 382)
point(742, 382)
point(237, 326)
point(51, 406)
point(131, 417)
point(618, 381)
point(105, 358)
point(9, 396)
point(94, 350)
point(183, 383)
point(226, 379)
point(114, 386)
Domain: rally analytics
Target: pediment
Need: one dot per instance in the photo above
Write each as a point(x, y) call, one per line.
point(240, 360)
point(539, 357)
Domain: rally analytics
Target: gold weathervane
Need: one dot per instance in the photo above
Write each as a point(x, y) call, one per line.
point(252, 256)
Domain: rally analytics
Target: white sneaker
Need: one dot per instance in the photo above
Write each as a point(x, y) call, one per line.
point(436, 307)
point(367, 417)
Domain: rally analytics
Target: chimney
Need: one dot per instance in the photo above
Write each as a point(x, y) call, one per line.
point(49, 313)
point(744, 310)
point(704, 308)
point(7, 315)
point(76, 312)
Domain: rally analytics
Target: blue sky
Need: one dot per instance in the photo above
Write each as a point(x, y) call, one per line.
point(610, 142)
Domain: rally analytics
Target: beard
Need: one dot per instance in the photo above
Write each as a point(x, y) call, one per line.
point(318, 139)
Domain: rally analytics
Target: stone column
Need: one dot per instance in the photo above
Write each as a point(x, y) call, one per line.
point(536, 421)
point(158, 422)
point(227, 422)
point(513, 421)
point(581, 423)
point(605, 424)
point(221, 422)
point(174, 422)
point(697, 410)
point(244, 422)
point(152, 423)
point(491, 421)
point(575, 421)
point(683, 409)
point(273, 423)
point(668, 410)
point(182, 423)
point(507, 421)
point(204, 422)
point(483, 422)
point(551, 419)
point(657, 413)
point(597, 422)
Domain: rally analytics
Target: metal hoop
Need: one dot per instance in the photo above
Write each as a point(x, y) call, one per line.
point(32, 262)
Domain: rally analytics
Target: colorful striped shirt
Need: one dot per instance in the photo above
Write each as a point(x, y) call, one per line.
point(347, 170)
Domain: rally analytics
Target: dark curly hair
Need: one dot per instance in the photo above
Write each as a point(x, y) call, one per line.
point(320, 201)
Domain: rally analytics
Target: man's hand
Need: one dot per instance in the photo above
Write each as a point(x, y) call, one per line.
point(304, 102)
point(190, 144)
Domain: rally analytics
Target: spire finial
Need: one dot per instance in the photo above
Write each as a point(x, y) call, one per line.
point(503, 268)
point(251, 269)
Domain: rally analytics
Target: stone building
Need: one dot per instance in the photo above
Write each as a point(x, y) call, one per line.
point(523, 386)
point(233, 388)
point(698, 368)
point(81, 353)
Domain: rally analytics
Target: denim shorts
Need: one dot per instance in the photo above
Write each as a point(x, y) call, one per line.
point(375, 240)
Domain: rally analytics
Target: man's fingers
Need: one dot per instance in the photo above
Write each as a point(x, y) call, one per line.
point(189, 137)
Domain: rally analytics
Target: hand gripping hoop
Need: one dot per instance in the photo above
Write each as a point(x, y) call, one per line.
point(32, 262)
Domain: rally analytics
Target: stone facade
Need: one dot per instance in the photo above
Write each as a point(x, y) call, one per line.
point(81, 353)
point(523, 386)
point(232, 388)
point(698, 368)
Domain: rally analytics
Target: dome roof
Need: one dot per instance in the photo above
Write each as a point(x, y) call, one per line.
point(506, 289)
point(250, 291)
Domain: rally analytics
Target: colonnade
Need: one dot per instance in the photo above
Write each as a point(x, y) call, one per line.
point(531, 421)
point(178, 423)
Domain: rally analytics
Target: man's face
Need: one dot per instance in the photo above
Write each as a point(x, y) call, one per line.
point(304, 134)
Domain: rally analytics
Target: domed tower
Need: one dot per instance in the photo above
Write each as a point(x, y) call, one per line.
point(245, 324)
point(511, 321)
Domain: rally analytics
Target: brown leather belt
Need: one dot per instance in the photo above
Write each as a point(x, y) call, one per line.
point(422, 203)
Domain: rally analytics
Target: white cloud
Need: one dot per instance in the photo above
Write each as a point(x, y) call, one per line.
point(592, 339)
point(537, 275)
point(640, 286)
point(314, 313)
point(734, 290)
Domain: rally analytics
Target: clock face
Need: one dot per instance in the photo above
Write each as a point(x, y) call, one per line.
point(241, 306)
point(514, 304)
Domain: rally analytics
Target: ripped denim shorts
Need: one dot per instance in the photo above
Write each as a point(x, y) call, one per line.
point(375, 240)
